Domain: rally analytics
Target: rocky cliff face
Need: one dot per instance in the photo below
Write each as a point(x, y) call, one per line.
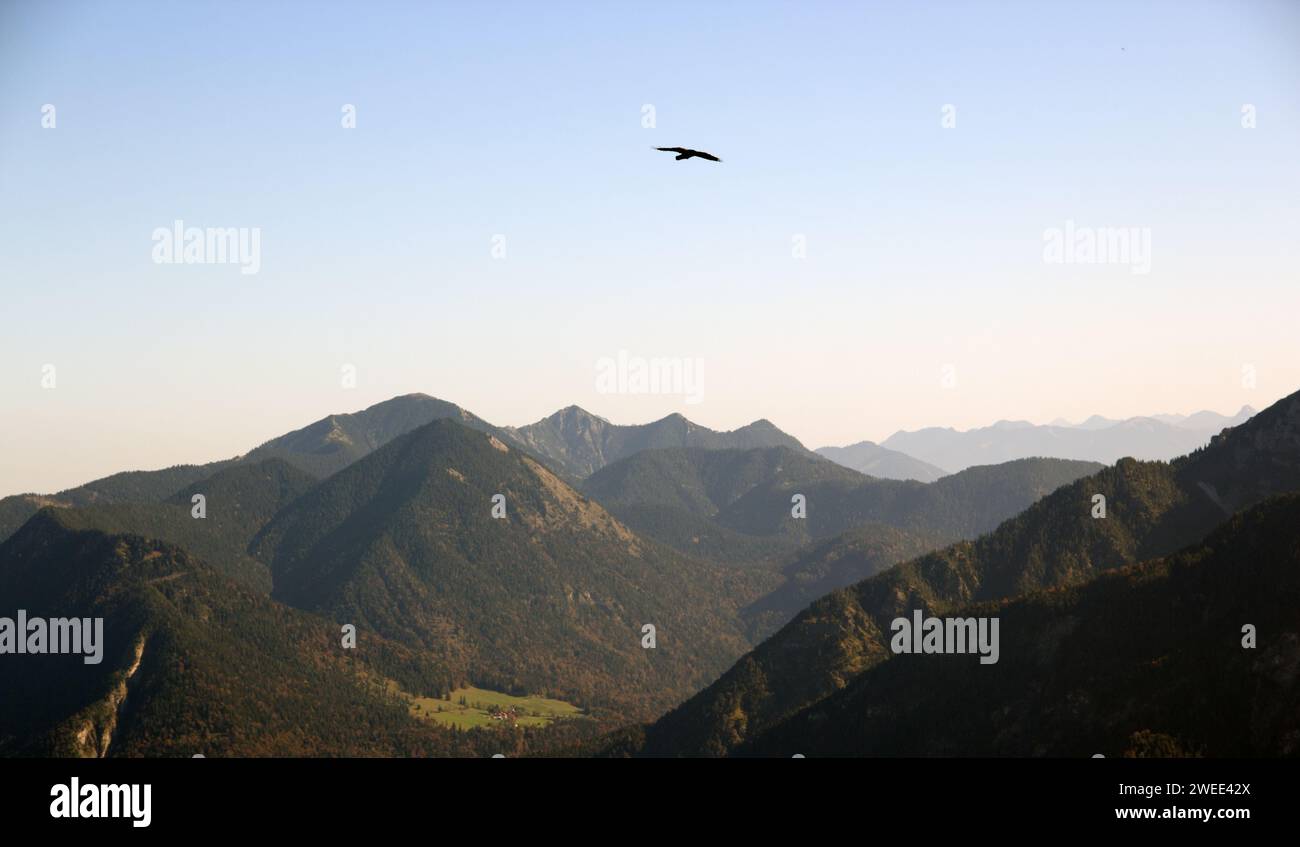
point(94, 729)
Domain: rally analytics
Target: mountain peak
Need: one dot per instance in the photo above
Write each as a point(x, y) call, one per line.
point(574, 411)
point(337, 440)
point(761, 423)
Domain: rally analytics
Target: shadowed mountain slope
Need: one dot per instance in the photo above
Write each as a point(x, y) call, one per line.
point(674, 495)
point(1153, 509)
point(1147, 660)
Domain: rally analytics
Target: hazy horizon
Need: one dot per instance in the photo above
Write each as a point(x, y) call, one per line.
point(686, 411)
point(873, 254)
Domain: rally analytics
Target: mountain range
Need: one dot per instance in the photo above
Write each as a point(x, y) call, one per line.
point(572, 442)
point(1097, 439)
point(656, 577)
point(580, 443)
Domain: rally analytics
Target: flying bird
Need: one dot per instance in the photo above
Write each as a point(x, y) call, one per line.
point(683, 153)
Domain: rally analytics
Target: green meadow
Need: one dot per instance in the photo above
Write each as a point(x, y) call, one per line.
point(472, 707)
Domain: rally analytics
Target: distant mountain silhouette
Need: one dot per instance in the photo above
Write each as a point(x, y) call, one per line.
point(1096, 439)
point(873, 460)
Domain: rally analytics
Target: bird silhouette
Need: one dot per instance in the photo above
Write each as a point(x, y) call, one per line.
point(684, 153)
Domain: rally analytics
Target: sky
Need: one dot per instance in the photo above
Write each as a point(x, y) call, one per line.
point(874, 252)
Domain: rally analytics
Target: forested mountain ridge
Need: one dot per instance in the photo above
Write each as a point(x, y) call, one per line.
point(824, 567)
point(550, 596)
point(673, 495)
point(238, 501)
point(125, 487)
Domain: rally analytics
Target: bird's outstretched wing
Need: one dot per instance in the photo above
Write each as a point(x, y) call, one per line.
point(687, 153)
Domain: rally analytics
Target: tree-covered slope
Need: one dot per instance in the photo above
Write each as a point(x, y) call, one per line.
point(733, 504)
point(125, 487)
point(826, 566)
point(1146, 660)
point(194, 663)
point(239, 500)
point(549, 599)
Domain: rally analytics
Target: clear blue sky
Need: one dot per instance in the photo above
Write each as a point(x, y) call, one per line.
point(924, 244)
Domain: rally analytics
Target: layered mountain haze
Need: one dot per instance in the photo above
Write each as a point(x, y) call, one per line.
point(681, 496)
point(471, 557)
point(1097, 439)
point(572, 442)
point(1152, 510)
point(1202, 420)
point(722, 503)
point(873, 460)
point(821, 568)
point(958, 506)
point(550, 599)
